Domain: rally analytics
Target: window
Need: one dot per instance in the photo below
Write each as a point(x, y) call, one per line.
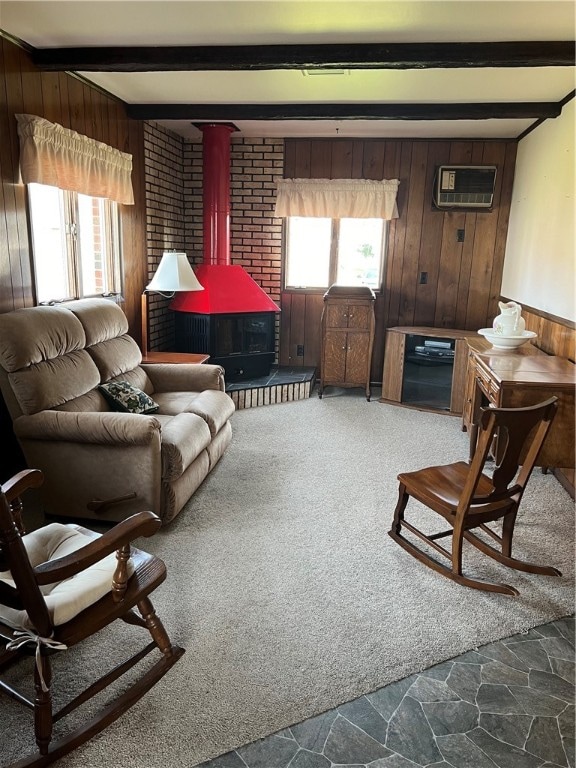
point(76, 244)
point(321, 251)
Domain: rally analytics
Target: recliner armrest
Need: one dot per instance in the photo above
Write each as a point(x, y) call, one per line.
point(185, 377)
point(104, 428)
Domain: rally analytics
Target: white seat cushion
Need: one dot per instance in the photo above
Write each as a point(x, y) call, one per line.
point(64, 599)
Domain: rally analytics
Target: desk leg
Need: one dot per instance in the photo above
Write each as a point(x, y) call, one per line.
point(473, 440)
point(475, 408)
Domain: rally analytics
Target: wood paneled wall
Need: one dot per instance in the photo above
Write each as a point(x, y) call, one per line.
point(66, 100)
point(555, 336)
point(463, 278)
point(63, 99)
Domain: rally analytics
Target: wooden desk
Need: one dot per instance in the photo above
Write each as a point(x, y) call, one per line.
point(174, 357)
point(516, 378)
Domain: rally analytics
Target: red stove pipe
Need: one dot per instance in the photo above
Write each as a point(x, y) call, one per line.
point(216, 193)
point(228, 288)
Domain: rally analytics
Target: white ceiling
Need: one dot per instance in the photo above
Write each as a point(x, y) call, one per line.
point(70, 23)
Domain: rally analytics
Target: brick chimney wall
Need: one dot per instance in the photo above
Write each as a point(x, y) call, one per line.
point(165, 219)
point(192, 174)
point(255, 235)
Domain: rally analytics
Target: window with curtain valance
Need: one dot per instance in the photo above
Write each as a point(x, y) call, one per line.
point(59, 157)
point(74, 185)
point(336, 230)
point(338, 198)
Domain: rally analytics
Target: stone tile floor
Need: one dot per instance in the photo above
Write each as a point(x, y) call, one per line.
point(509, 704)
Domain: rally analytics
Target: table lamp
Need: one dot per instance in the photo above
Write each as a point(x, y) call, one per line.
point(174, 274)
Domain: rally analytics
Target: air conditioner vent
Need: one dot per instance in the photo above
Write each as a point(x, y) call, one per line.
point(464, 186)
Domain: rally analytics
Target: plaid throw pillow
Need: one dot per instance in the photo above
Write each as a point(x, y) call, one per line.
point(122, 396)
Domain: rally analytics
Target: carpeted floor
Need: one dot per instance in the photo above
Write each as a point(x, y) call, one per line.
point(287, 593)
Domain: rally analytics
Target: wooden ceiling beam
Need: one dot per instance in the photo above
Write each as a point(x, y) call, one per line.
point(325, 56)
point(232, 112)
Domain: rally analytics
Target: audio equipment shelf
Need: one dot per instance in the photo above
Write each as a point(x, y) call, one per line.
point(425, 368)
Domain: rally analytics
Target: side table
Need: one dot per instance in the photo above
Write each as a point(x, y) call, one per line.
point(174, 357)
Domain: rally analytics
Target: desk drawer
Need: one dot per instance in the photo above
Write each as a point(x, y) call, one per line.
point(487, 385)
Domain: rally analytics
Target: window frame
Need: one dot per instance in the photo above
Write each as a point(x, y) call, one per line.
point(333, 263)
point(110, 226)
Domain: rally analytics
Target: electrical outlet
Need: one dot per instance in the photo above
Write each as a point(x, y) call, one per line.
point(423, 278)
point(300, 350)
point(459, 235)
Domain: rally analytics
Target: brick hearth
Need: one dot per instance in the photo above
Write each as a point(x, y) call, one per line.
point(281, 386)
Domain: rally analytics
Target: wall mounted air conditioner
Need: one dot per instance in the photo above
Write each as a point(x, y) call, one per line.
point(464, 186)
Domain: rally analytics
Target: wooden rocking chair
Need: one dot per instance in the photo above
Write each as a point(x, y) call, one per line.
point(61, 584)
point(467, 498)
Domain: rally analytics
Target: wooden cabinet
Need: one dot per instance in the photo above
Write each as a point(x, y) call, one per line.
point(347, 338)
point(425, 368)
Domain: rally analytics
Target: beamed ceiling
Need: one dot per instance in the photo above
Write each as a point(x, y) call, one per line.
point(452, 69)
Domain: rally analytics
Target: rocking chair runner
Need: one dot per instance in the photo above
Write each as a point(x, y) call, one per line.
point(62, 584)
point(467, 498)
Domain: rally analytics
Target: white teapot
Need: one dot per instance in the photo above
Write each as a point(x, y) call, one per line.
point(510, 321)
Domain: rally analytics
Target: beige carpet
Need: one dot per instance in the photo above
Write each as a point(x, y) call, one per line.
point(287, 593)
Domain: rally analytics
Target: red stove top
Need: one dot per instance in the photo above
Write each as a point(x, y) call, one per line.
point(228, 289)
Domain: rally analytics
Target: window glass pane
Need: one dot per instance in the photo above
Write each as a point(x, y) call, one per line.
point(115, 252)
point(98, 246)
point(308, 252)
point(92, 245)
point(49, 243)
point(360, 252)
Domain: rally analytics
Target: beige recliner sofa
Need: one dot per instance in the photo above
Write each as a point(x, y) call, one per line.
point(99, 463)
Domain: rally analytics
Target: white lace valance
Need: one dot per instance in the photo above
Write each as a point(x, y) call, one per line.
point(59, 157)
point(338, 198)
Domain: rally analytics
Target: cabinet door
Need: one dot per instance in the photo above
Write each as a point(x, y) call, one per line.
point(359, 316)
point(336, 315)
point(357, 358)
point(334, 359)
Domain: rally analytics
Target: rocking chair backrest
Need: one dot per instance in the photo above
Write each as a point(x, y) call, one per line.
point(27, 594)
point(519, 434)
